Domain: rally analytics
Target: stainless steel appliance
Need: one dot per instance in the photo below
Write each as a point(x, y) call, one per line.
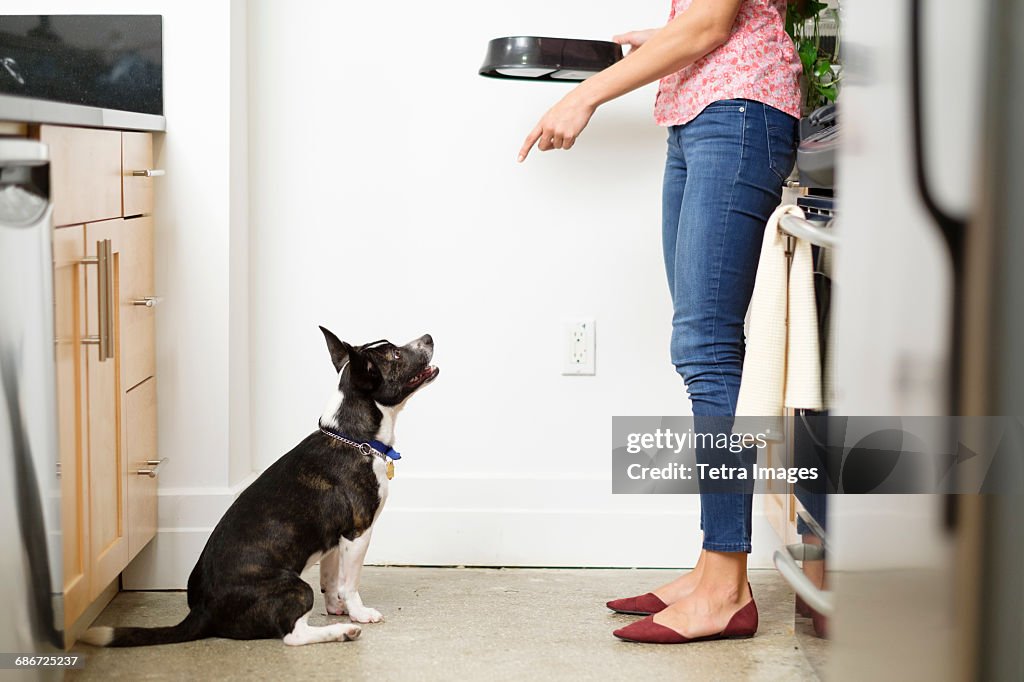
point(30, 563)
point(928, 322)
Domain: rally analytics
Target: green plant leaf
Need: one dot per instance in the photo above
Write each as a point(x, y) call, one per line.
point(829, 92)
point(823, 70)
point(808, 52)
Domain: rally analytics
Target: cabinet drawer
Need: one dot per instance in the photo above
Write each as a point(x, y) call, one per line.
point(137, 155)
point(140, 446)
point(135, 283)
point(85, 173)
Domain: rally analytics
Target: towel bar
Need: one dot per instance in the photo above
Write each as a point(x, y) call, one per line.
point(818, 599)
point(808, 231)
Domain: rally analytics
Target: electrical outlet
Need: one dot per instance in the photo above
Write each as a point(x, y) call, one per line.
point(579, 347)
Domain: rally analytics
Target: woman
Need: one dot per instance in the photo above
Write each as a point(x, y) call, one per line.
point(730, 97)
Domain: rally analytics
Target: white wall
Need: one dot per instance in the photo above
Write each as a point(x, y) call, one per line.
point(386, 202)
point(240, 454)
point(382, 199)
point(202, 268)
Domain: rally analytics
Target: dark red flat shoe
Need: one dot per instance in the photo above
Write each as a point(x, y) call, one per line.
point(742, 625)
point(644, 605)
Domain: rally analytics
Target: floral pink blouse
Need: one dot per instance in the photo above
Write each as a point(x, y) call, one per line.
point(758, 62)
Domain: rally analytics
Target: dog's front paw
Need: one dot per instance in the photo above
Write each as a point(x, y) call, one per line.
point(365, 615)
point(335, 606)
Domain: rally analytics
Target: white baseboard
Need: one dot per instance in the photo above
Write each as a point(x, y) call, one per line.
point(186, 517)
point(471, 520)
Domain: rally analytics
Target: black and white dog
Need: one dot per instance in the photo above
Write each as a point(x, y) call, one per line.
point(317, 502)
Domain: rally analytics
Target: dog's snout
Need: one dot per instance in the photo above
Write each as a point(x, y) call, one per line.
point(427, 340)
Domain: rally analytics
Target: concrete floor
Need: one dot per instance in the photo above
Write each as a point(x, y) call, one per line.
point(467, 624)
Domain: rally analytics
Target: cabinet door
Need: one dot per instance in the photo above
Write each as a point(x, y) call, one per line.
point(85, 173)
point(137, 328)
point(140, 447)
point(779, 500)
point(69, 299)
point(108, 533)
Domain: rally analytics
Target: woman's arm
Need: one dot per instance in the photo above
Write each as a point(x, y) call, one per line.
point(704, 26)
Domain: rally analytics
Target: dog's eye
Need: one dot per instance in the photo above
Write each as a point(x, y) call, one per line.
point(396, 354)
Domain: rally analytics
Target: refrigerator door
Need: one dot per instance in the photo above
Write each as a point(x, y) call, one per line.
point(30, 565)
point(896, 564)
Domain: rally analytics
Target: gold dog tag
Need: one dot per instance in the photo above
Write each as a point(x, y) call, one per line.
point(390, 468)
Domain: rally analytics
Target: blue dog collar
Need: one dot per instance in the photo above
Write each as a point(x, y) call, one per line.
point(364, 446)
point(385, 450)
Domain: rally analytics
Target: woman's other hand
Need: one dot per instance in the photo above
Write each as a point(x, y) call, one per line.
point(634, 39)
point(559, 128)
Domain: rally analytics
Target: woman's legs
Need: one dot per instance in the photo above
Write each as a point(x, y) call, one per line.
point(736, 154)
point(673, 189)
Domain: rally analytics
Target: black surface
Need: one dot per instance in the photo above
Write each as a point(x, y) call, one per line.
point(557, 54)
point(817, 208)
point(107, 61)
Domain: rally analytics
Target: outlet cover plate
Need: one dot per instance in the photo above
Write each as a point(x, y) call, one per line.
point(579, 347)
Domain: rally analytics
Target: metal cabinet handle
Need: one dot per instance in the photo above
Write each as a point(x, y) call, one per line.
point(818, 599)
point(154, 469)
point(104, 262)
point(147, 301)
point(149, 173)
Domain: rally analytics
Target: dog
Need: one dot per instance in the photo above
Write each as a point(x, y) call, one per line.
point(317, 502)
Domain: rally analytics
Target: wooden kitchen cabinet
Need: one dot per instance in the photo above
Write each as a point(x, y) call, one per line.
point(69, 302)
point(106, 361)
point(108, 536)
point(140, 451)
point(85, 173)
point(136, 307)
point(136, 158)
point(780, 504)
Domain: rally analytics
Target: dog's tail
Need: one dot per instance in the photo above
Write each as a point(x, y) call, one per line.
point(193, 627)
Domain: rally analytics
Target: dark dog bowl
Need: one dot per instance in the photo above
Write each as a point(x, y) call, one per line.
point(548, 59)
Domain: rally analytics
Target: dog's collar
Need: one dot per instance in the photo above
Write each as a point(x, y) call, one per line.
point(367, 447)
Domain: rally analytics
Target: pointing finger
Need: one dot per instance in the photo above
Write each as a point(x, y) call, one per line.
point(531, 139)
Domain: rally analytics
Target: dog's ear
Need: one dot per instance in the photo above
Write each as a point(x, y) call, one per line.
point(339, 349)
point(366, 375)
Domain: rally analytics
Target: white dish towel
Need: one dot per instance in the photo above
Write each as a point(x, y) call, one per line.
point(782, 367)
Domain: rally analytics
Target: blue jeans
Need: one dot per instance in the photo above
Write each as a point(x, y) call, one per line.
point(723, 178)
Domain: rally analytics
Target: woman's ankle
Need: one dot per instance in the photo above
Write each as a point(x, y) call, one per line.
point(679, 587)
point(725, 577)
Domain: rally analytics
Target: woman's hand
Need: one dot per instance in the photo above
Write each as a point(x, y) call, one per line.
point(634, 39)
point(559, 128)
point(690, 35)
